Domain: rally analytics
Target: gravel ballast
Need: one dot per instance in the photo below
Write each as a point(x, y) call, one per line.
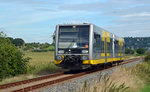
point(74, 85)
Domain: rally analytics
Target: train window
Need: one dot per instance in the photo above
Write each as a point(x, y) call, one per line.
point(102, 46)
point(108, 47)
point(97, 44)
point(116, 46)
point(111, 43)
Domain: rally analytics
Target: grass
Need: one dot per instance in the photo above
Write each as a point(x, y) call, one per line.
point(120, 81)
point(18, 78)
point(146, 88)
point(128, 56)
point(143, 72)
point(126, 76)
point(41, 62)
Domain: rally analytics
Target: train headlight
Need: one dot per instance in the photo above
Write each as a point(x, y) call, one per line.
point(59, 58)
point(84, 57)
point(61, 51)
point(85, 51)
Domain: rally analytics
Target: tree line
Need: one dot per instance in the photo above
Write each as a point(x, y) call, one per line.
point(34, 46)
point(137, 42)
point(132, 43)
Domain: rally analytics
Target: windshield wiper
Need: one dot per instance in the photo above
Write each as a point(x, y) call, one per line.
point(71, 44)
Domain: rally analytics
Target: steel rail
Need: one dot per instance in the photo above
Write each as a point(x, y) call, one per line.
point(4, 86)
point(48, 83)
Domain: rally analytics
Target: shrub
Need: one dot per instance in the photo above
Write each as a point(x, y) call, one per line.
point(39, 50)
point(147, 58)
point(51, 48)
point(129, 51)
point(28, 48)
point(141, 51)
point(11, 59)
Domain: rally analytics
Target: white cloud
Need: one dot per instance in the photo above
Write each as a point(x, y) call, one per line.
point(122, 17)
point(144, 14)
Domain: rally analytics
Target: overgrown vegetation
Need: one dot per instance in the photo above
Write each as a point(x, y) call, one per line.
point(37, 47)
point(147, 57)
point(104, 84)
point(141, 51)
point(41, 63)
point(110, 86)
point(129, 51)
point(34, 46)
point(12, 61)
point(142, 71)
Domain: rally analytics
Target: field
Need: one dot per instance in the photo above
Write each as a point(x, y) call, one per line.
point(41, 62)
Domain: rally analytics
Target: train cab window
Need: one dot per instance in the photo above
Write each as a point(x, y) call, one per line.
point(97, 42)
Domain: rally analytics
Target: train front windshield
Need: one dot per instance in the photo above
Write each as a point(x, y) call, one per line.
point(73, 37)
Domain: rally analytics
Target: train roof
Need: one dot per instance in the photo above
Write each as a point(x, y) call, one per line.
point(70, 24)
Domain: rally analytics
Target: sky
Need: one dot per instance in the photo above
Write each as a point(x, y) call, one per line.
point(35, 20)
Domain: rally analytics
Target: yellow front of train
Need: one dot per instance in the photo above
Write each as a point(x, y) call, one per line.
point(71, 46)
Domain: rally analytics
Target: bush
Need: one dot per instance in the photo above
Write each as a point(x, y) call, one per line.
point(28, 48)
point(129, 51)
point(51, 48)
point(39, 50)
point(11, 59)
point(141, 51)
point(147, 58)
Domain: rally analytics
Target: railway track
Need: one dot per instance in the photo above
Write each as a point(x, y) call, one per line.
point(39, 82)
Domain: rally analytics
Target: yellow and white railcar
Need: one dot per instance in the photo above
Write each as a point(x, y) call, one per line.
point(79, 46)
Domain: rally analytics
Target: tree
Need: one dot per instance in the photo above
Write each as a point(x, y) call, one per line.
point(10, 38)
point(141, 51)
point(35, 45)
point(45, 45)
point(18, 42)
point(12, 61)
